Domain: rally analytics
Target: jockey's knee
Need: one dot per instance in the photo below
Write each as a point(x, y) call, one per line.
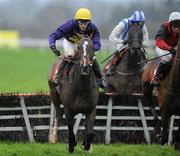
point(166, 60)
point(69, 54)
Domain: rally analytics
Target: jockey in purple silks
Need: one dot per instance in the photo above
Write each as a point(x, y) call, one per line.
point(72, 31)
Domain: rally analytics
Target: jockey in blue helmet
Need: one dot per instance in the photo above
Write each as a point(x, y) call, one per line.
point(119, 34)
point(138, 16)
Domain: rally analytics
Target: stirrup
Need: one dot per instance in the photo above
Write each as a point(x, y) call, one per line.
point(102, 83)
point(155, 82)
point(57, 80)
point(58, 88)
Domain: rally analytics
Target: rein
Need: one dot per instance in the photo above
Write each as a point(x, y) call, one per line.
point(177, 59)
point(69, 60)
point(166, 90)
point(130, 74)
point(170, 93)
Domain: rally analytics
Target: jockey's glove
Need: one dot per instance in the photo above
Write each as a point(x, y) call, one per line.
point(125, 42)
point(55, 50)
point(172, 51)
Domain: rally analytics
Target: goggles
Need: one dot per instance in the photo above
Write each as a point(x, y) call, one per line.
point(175, 24)
point(83, 22)
point(140, 23)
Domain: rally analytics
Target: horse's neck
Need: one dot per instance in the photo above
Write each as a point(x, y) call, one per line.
point(174, 75)
point(129, 62)
point(81, 80)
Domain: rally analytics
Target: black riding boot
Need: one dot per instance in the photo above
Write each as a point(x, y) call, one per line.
point(113, 63)
point(159, 74)
point(97, 71)
point(59, 72)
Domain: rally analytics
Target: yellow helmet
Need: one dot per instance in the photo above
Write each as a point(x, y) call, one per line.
point(83, 14)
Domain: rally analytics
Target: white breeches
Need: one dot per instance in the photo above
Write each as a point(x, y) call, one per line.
point(119, 46)
point(165, 59)
point(69, 48)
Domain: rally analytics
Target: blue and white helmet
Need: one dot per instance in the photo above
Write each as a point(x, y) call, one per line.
point(138, 16)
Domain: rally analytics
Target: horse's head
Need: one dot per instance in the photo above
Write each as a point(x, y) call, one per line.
point(85, 54)
point(135, 36)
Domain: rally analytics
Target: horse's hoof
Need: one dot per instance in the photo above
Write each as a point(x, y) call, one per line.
point(163, 142)
point(53, 139)
point(75, 143)
point(71, 148)
point(82, 147)
point(87, 148)
point(159, 137)
point(91, 149)
point(177, 146)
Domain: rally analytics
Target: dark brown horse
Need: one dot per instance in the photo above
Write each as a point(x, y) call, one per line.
point(168, 95)
point(78, 92)
point(127, 76)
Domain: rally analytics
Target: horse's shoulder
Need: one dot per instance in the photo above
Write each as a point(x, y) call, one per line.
point(149, 71)
point(54, 69)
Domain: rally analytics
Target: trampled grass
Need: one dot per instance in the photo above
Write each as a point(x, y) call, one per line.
point(37, 149)
point(26, 70)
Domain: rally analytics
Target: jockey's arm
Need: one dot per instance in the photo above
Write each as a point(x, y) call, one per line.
point(96, 40)
point(160, 39)
point(114, 36)
point(60, 32)
point(145, 37)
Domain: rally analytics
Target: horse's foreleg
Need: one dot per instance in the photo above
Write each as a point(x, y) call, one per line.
point(165, 124)
point(147, 91)
point(89, 125)
point(70, 122)
point(56, 101)
point(177, 137)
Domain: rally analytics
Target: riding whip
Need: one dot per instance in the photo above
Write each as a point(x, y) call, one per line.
point(110, 55)
point(153, 58)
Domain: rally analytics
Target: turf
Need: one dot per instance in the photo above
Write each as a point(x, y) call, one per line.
point(36, 149)
point(26, 70)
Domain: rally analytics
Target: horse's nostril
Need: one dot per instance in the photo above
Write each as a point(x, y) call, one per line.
point(70, 56)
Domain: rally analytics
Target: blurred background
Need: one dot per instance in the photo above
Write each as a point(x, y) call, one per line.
point(33, 20)
point(25, 25)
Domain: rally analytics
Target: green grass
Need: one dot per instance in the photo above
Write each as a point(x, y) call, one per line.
point(36, 149)
point(26, 70)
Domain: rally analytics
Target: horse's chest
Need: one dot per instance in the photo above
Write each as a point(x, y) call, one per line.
point(81, 106)
point(80, 100)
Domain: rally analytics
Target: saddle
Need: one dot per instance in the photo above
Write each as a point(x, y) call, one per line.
point(164, 71)
point(67, 68)
point(63, 69)
point(118, 55)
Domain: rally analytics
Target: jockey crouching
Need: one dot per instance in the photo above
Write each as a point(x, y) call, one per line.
point(166, 42)
point(119, 36)
point(72, 31)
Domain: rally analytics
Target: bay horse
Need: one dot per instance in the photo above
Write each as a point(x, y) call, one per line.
point(78, 93)
point(127, 76)
point(168, 96)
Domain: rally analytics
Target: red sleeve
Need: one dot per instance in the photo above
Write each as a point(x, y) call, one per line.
point(161, 44)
